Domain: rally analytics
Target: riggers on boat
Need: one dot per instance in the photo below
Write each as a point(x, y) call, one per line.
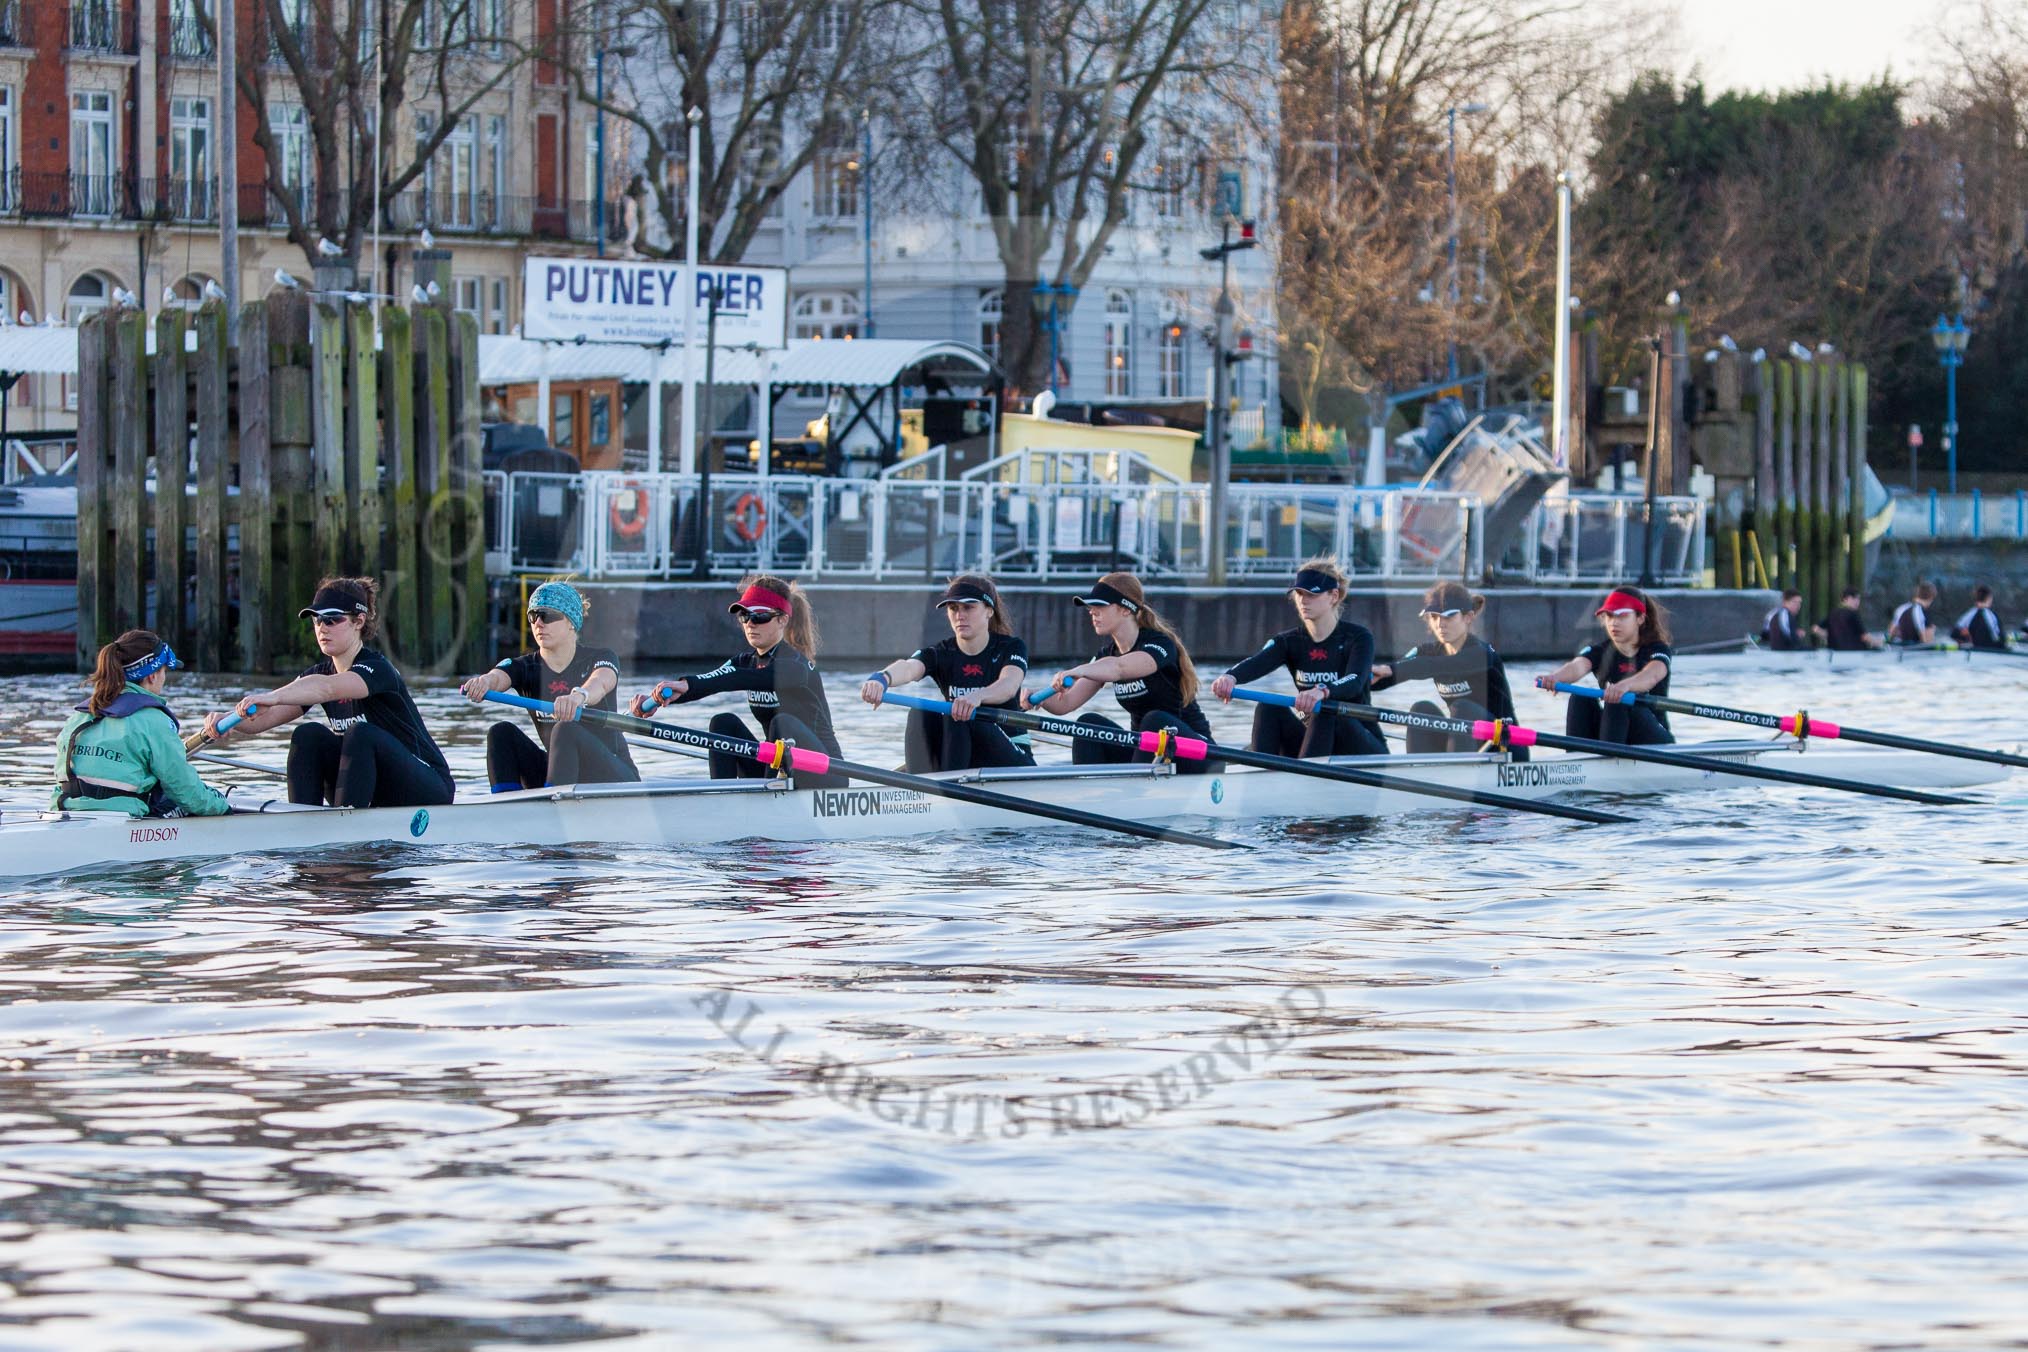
point(703, 811)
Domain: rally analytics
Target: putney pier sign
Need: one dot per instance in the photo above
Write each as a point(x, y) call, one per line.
point(597, 300)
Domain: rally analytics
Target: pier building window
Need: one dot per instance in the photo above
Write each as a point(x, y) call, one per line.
point(189, 195)
point(290, 124)
point(1119, 344)
point(836, 180)
point(826, 314)
point(93, 153)
point(992, 309)
point(1169, 376)
point(8, 204)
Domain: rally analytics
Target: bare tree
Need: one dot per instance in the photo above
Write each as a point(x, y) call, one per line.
point(351, 78)
point(1057, 111)
point(777, 83)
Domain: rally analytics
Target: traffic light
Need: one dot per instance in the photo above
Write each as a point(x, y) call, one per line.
point(1228, 245)
point(1242, 347)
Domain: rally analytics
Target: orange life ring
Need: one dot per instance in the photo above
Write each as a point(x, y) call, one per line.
point(748, 518)
point(630, 527)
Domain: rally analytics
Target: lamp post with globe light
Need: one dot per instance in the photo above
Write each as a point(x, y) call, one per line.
point(1950, 336)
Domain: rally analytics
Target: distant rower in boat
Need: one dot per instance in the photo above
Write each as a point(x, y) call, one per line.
point(1328, 658)
point(1980, 626)
point(980, 665)
point(1779, 632)
point(1911, 623)
point(1844, 629)
point(119, 752)
point(1634, 657)
point(575, 676)
point(1470, 677)
point(778, 672)
point(1147, 666)
point(373, 750)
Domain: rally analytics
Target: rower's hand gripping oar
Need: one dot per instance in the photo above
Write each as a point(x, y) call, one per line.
point(1507, 734)
point(1192, 748)
point(1802, 725)
point(225, 725)
point(779, 756)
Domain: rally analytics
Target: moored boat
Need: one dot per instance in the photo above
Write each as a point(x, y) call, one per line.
point(701, 811)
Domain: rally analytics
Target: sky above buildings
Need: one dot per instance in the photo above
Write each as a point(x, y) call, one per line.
point(1785, 44)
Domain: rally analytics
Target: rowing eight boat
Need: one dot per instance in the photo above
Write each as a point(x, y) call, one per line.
point(701, 811)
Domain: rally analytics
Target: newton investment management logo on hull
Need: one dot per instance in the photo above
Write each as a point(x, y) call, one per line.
point(598, 300)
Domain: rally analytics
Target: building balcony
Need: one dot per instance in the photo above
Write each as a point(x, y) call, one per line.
point(449, 212)
point(190, 40)
point(101, 26)
point(13, 24)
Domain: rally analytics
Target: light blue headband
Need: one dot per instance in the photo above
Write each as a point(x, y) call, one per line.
point(562, 598)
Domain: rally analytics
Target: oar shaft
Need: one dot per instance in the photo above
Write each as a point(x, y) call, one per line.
point(216, 759)
point(1192, 748)
point(1519, 736)
point(225, 725)
point(816, 762)
point(1798, 725)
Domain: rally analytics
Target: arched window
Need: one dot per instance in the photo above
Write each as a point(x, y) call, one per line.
point(88, 295)
point(1119, 343)
point(826, 314)
point(1170, 371)
point(992, 306)
point(190, 291)
point(15, 300)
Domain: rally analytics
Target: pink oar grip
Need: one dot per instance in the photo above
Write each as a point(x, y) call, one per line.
point(1491, 732)
point(1187, 748)
point(811, 762)
point(1818, 727)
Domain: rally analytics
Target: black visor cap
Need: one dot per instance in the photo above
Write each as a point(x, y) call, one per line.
point(330, 601)
point(1101, 594)
point(959, 592)
point(1313, 581)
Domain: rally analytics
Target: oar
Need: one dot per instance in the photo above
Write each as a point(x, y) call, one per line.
point(237, 764)
point(1192, 748)
point(225, 725)
point(817, 763)
point(1802, 725)
point(1507, 734)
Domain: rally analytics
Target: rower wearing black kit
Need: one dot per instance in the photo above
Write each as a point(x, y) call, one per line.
point(373, 750)
point(1469, 675)
point(778, 672)
point(980, 665)
point(1147, 666)
point(1632, 658)
point(1328, 658)
point(1980, 627)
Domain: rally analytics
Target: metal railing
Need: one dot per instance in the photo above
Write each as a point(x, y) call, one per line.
point(13, 28)
point(101, 26)
point(1601, 537)
point(619, 525)
point(1960, 516)
point(189, 40)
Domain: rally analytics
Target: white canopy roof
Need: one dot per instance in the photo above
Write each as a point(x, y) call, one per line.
point(806, 361)
point(38, 351)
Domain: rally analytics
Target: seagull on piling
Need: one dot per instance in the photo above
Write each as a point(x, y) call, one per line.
point(1725, 341)
point(27, 319)
point(213, 291)
point(169, 296)
point(326, 249)
point(125, 298)
point(283, 279)
point(435, 290)
point(429, 241)
point(418, 295)
point(1798, 351)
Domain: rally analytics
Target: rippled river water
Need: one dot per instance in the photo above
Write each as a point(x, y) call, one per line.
point(1750, 1072)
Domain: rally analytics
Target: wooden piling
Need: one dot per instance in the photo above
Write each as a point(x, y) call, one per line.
point(327, 436)
point(127, 358)
point(1766, 487)
point(1820, 514)
point(172, 473)
point(473, 642)
point(290, 427)
point(400, 566)
point(433, 480)
point(1841, 492)
point(258, 621)
point(94, 559)
point(1784, 540)
point(362, 441)
point(213, 427)
point(1855, 505)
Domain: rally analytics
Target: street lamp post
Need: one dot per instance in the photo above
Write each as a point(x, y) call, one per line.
point(1053, 292)
point(1451, 184)
point(1950, 336)
point(866, 208)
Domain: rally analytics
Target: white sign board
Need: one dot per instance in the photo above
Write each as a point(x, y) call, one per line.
point(605, 300)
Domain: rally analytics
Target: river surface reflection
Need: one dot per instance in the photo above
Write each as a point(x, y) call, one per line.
point(1750, 1072)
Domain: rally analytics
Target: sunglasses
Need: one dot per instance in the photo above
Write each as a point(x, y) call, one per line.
point(326, 621)
point(755, 614)
point(1623, 614)
point(1443, 614)
point(545, 616)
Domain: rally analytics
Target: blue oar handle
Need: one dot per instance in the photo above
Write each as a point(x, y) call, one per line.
point(534, 706)
point(1264, 696)
point(1567, 688)
point(922, 702)
point(233, 720)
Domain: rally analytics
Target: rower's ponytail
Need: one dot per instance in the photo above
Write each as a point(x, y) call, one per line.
point(1129, 586)
point(109, 675)
point(802, 631)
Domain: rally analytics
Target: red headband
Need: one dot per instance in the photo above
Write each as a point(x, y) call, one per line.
point(758, 595)
point(1620, 600)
